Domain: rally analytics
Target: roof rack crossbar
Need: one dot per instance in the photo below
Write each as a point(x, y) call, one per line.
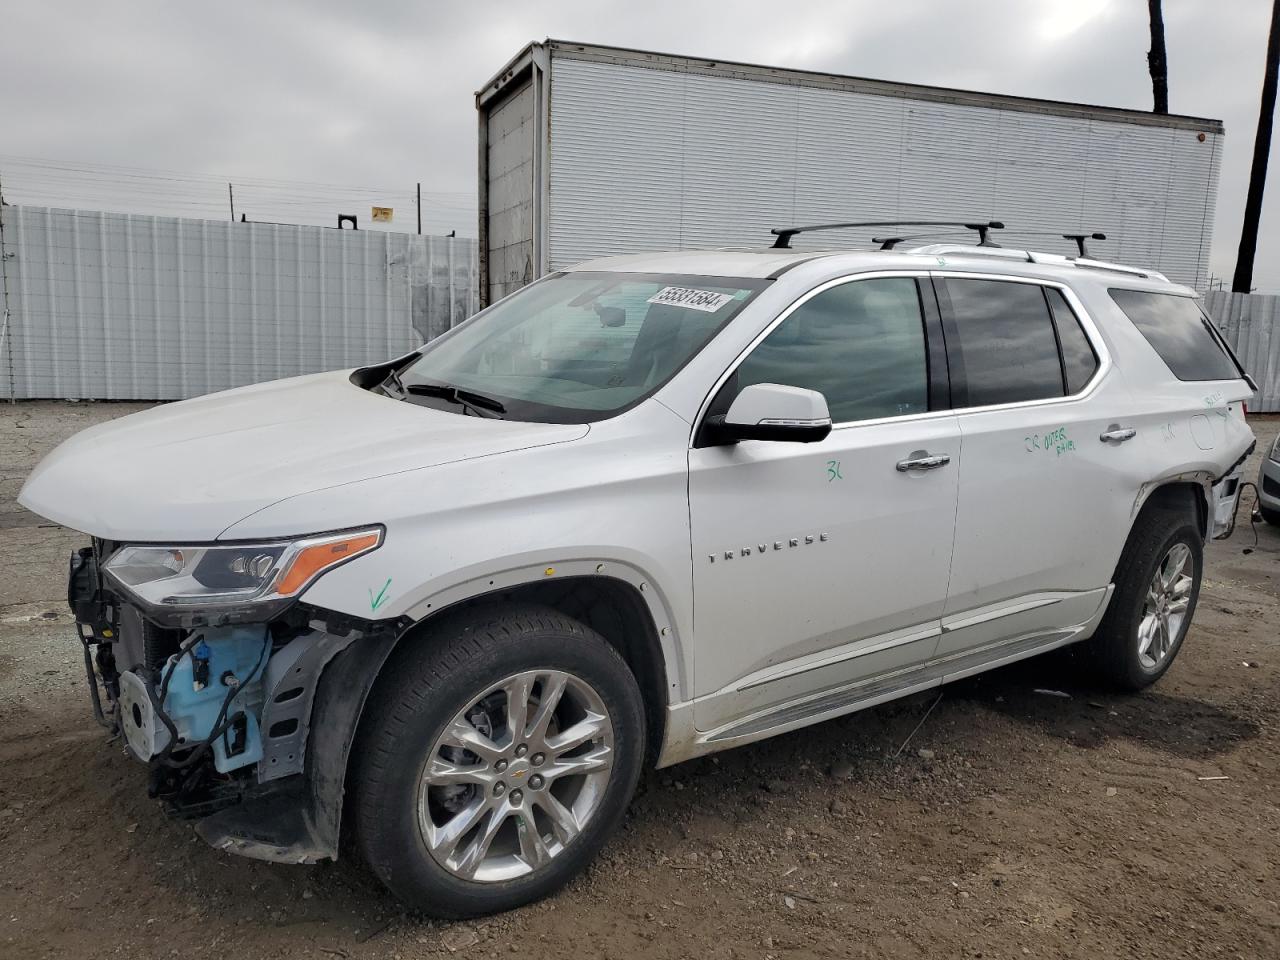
point(784, 234)
point(1080, 238)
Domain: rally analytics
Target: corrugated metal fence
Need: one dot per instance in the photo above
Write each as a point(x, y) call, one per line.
point(123, 307)
point(1249, 323)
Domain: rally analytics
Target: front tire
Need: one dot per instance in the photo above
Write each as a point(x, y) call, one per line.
point(1271, 516)
point(1157, 584)
point(496, 760)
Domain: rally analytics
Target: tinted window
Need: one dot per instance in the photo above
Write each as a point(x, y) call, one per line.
point(1179, 332)
point(1079, 362)
point(1003, 338)
point(860, 344)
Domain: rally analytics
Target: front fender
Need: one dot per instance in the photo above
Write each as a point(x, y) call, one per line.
point(511, 577)
point(300, 821)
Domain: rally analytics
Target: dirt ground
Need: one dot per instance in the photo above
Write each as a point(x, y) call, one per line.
point(1014, 823)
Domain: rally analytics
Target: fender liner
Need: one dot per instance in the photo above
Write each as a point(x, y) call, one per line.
point(298, 819)
point(1201, 480)
point(340, 699)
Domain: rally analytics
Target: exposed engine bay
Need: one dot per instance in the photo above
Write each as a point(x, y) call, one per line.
point(221, 712)
point(192, 710)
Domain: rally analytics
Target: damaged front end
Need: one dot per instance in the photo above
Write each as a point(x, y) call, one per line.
point(242, 701)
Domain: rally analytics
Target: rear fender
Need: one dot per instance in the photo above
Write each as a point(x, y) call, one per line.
point(1199, 487)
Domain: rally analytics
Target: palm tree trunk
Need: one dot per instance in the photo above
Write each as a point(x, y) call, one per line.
point(1156, 61)
point(1242, 282)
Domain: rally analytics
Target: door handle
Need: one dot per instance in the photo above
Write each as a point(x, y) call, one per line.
point(1117, 434)
point(923, 461)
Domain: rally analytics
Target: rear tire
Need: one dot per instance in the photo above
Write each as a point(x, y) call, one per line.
point(1271, 516)
point(1157, 584)
point(456, 832)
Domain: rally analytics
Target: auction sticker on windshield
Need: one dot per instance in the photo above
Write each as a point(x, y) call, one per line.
point(705, 300)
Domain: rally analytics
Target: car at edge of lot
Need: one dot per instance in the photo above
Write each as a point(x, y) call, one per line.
point(639, 511)
point(1269, 485)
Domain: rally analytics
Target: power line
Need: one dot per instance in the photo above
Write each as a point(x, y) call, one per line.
point(156, 192)
point(216, 179)
point(170, 188)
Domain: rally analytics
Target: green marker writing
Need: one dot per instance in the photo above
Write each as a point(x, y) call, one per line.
point(381, 598)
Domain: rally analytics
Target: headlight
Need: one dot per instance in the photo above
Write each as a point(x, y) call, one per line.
point(1275, 449)
point(233, 581)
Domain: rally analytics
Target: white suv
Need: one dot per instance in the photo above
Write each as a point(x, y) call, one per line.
point(639, 511)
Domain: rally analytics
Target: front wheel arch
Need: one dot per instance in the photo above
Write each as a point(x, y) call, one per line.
point(616, 609)
point(621, 611)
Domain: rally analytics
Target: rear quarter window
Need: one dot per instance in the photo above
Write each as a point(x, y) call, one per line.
point(1079, 362)
point(1178, 330)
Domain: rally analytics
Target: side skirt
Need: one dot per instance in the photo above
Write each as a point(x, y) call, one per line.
point(685, 742)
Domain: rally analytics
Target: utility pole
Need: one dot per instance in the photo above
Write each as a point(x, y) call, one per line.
point(419, 209)
point(232, 198)
point(1156, 61)
point(1243, 280)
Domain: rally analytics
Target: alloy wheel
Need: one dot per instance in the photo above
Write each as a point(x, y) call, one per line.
point(1164, 611)
point(515, 776)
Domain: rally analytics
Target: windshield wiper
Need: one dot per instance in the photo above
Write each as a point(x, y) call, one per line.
point(393, 378)
point(467, 399)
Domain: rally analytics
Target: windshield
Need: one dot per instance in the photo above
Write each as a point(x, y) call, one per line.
point(577, 347)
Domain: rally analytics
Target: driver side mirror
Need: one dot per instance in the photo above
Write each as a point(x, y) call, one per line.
point(771, 411)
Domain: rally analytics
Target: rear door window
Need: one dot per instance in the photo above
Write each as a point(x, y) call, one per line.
point(1001, 343)
point(1178, 330)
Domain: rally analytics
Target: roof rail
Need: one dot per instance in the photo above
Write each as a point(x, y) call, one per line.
point(991, 250)
point(784, 234)
point(1117, 268)
point(1033, 256)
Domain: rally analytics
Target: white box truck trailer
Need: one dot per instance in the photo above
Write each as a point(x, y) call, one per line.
point(586, 151)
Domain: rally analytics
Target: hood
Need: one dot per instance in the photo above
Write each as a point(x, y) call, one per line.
point(189, 470)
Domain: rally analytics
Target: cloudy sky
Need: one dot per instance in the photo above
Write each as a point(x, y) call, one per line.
point(311, 105)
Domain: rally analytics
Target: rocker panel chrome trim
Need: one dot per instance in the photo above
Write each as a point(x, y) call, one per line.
point(850, 697)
